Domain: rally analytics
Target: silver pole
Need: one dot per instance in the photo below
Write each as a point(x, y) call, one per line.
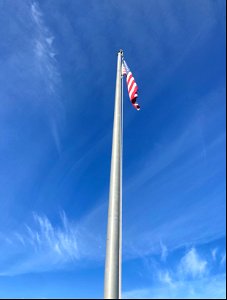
point(112, 284)
point(122, 141)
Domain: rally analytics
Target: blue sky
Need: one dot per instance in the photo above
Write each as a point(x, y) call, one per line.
point(57, 78)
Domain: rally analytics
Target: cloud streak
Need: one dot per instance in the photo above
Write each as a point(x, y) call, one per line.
point(215, 289)
point(47, 66)
point(62, 241)
point(44, 245)
point(192, 265)
point(185, 280)
point(44, 49)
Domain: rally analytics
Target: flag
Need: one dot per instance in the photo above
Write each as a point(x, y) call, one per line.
point(131, 84)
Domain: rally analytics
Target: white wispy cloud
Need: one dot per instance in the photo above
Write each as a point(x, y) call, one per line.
point(213, 287)
point(166, 278)
point(43, 245)
point(164, 251)
point(20, 238)
point(47, 65)
point(214, 253)
point(62, 241)
point(36, 13)
point(44, 49)
point(223, 259)
point(192, 265)
point(185, 279)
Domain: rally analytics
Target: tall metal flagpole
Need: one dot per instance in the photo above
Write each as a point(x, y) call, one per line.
point(112, 285)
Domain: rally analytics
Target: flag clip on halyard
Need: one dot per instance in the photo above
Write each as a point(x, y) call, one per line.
point(131, 84)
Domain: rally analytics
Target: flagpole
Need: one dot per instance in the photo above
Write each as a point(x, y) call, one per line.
point(112, 284)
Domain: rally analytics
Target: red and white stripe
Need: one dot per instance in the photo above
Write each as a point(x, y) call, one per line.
point(131, 84)
point(123, 70)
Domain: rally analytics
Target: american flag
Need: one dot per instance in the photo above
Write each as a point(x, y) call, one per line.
point(131, 84)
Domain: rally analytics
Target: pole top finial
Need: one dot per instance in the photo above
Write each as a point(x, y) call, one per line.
point(121, 52)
